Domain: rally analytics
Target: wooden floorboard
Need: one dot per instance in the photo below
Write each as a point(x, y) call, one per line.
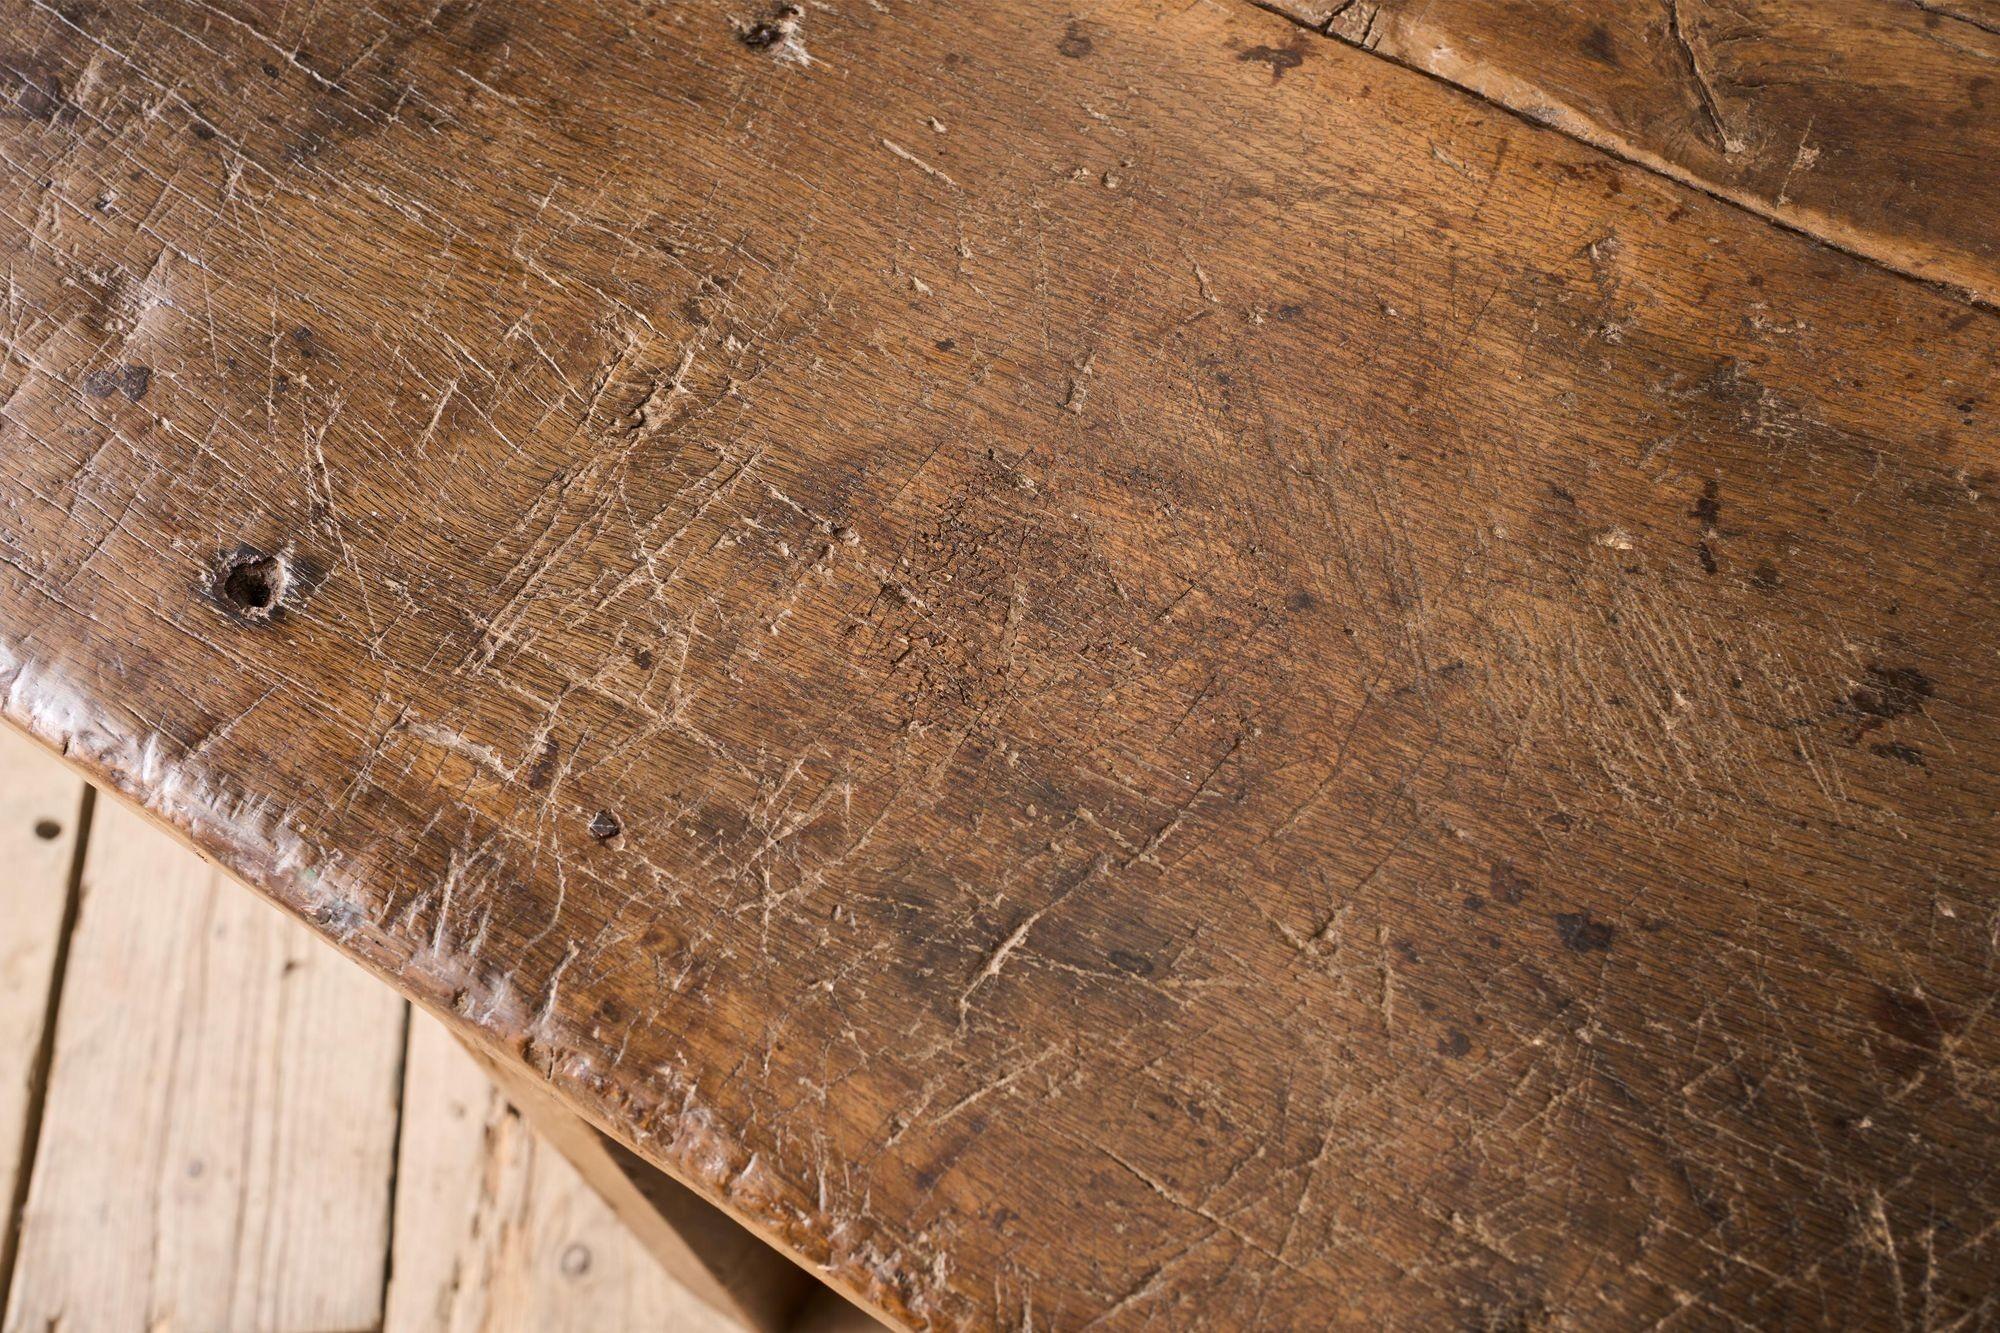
point(215, 1145)
point(233, 1106)
point(42, 816)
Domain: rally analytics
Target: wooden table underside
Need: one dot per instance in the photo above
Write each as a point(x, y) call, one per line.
point(1117, 665)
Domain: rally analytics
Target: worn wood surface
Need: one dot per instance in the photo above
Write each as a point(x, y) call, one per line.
point(216, 1146)
point(1873, 124)
point(1099, 666)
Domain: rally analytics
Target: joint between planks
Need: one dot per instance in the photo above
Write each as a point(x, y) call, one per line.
point(1815, 227)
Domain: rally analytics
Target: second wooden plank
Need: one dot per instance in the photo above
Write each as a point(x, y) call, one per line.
point(1869, 125)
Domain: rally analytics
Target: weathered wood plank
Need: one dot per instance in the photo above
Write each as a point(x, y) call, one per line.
point(41, 809)
point(1095, 673)
point(216, 1148)
point(1872, 124)
point(497, 1233)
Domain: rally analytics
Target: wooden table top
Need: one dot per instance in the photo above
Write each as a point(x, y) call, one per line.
point(1109, 666)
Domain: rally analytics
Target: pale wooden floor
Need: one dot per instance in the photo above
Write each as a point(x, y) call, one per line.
point(211, 1121)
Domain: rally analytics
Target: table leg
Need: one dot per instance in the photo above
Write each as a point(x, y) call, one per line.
point(699, 1245)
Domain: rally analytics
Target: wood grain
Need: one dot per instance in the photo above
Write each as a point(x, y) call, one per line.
point(1097, 673)
point(216, 1145)
point(1871, 124)
point(497, 1233)
point(41, 808)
